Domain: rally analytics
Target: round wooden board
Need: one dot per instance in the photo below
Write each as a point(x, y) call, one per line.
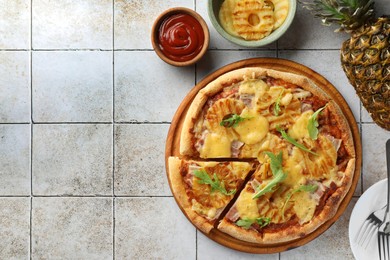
point(173, 144)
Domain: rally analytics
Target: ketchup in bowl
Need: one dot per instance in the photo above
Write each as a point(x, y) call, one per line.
point(180, 37)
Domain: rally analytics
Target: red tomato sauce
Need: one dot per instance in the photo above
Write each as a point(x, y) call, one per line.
point(181, 37)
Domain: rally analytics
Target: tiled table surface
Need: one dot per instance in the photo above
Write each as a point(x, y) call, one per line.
point(85, 106)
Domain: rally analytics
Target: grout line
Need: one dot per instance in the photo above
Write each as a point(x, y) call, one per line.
point(113, 130)
point(150, 50)
point(31, 127)
point(15, 196)
point(113, 99)
point(8, 123)
point(196, 243)
point(95, 123)
point(65, 50)
point(143, 123)
point(113, 228)
point(31, 235)
point(86, 196)
point(361, 165)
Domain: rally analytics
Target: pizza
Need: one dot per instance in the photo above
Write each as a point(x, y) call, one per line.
point(204, 189)
point(265, 156)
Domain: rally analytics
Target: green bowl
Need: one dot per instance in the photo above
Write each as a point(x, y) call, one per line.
point(213, 10)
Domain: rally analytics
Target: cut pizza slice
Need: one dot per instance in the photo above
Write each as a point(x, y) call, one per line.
point(204, 189)
point(284, 200)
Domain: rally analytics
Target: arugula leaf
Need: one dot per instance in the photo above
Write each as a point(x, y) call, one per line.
point(276, 161)
point(313, 124)
point(232, 120)
point(307, 188)
point(247, 223)
point(215, 184)
point(294, 142)
point(277, 105)
point(277, 171)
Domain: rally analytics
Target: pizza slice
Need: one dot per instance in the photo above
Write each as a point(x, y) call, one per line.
point(203, 189)
point(289, 195)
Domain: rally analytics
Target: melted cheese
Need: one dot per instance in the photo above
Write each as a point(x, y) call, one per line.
point(215, 145)
point(210, 213)
point(253, 129)
point(304, 206)
point(257, 87)
point(246, 206)
point(299, 129)
point(294, 166)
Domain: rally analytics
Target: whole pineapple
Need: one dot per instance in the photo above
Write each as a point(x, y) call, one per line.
point(365, 57)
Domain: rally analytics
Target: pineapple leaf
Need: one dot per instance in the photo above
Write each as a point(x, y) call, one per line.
point(348, 14)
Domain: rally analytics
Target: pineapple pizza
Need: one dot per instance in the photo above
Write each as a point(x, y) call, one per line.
point(265, 156)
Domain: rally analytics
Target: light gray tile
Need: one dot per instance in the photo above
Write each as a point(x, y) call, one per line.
point(211, 250)
point(307, 32)
point(214, 60)
point(152, 228)
point(139, 160)
point(72, 228)
point(14, 228)
point(374, 156)
point(216, 40)
point(15, 160)
point(332, 244)
point(382, 7)
point(72, 159)
point(147, 89)
point(73, 86)
point(15, 24)
point(366, 118)
point(15, 86)
point(72, 24)
point(330, 70)
point(134, 20)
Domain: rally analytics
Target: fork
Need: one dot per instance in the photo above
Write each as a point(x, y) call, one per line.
point(384, 228)
point(369, 227)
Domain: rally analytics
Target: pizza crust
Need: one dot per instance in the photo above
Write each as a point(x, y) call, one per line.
point(178, 189)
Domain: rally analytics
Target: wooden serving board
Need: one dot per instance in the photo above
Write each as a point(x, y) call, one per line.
point(173, 144)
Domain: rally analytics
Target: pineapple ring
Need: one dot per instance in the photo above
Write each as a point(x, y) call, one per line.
point(226, 16)
point(281, 11)
point(253, 19)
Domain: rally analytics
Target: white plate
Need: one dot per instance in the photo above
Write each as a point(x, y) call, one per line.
point(374, 198)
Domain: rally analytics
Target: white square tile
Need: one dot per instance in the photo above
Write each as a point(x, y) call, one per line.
point(152, 228)
point(334, 74)
point(366, 118)
point(15, 87)
point(72, 86)
point(332, 244)
point(147, 89)
point(211, 250)
point(216, 40)
point(382, 7)
point(139, 160)
point(15, 178)
point(72, 24)
point(215, 59)
point(15, 228)
point(72, 228)
point(307, 32)
point(72, 159)
point(15, 18)
point(374, 154)
point(134, 20)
